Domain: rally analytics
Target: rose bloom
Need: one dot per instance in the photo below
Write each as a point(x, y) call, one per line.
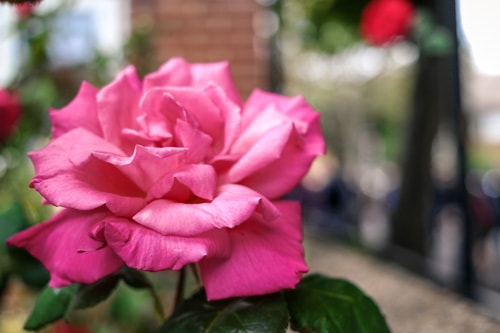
point(175, 170)
point(10, 112)
point(25, 10)
point(384, 21)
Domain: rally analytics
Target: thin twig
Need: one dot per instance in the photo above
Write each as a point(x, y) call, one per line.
point(196, 275)
point(181, 282)
point(158, 305)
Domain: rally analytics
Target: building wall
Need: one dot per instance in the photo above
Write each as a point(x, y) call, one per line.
point(208, 30)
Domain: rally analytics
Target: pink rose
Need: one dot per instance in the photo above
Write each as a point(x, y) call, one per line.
point(384, 21)
point(175, 170)
point(10, 112)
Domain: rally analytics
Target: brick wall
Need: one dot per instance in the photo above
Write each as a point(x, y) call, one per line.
point(208, 30)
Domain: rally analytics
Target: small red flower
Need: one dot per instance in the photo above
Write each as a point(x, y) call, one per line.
point(384, 21)
point(10, 112)
point(24, 10)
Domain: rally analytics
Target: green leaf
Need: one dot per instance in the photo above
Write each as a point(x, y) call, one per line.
point(320, 304)
point(54, 304)
point(89, 295)
point(262, 314)
point(12, 220)
point(50, 306)
point(135, 278)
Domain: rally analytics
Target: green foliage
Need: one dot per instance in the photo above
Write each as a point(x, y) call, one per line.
point(17, 261)
point(321, 304)
point(54, 304)
point(431, 38)
point(89, 295)
point(331, 25)
point(244, 315)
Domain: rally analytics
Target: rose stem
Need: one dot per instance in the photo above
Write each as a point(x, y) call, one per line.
point(194, 270)
point(158, 305)
point(179, 294)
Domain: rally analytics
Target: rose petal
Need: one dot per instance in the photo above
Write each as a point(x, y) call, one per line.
point(194, 179)
point(265, 257)
point(145, 249)
point(275, 164)
point(202, 111)
point(197, 142)
point(178, 72)
point(146, 165)
point(160, 112)
point(220, 74)
point(232, 205)
point(231, 113)
point(80, 112)
point(118, 105)
point(64, 247)
point(67, 175)
point(264, 110)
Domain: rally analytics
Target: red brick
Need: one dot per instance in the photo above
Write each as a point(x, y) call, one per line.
point(208, 30)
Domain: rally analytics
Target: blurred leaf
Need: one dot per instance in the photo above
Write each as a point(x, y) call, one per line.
point(29, 269)
point(15, 260)
point(331, 25)
point(131, 310)
point(54, 304)
point(262, 314)
point(12, 220)
point(431, 38)
point(89, 295)
point(50, 306)
point(327, 305)
point(135, 278)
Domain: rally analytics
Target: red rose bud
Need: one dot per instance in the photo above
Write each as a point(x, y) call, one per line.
point(384, 21)
point(10, 111)
point(26, 9)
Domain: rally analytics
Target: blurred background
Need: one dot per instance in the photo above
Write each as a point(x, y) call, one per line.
point(412, 172)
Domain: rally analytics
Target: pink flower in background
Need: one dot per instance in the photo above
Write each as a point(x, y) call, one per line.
point(171, 170)
point(384, 21)
point(10, 112)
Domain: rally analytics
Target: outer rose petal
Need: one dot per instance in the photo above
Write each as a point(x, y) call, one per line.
point(81, 112)
point(178, 72)
point(275, 164)
point(265, 258)
point(67, 175)
point(145, 249)
point(264, 110)
point(64, 246)
point(233, 205)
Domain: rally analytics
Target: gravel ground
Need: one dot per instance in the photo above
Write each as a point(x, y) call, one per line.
point(410, 303)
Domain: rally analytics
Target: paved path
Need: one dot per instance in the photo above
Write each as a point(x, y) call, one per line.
point(411, 304)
